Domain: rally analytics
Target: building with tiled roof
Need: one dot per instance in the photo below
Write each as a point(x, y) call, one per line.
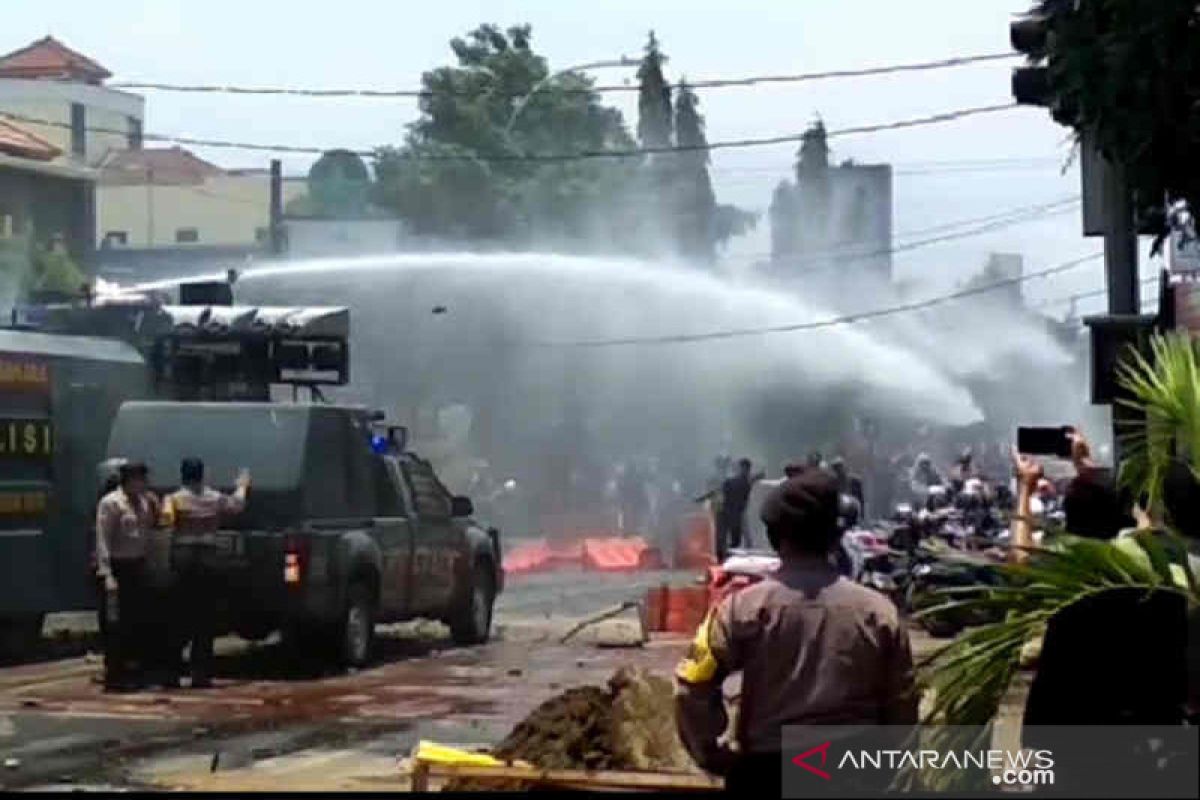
point(57, 94)
point(18, 142)
point(50, 59)
point(163, 166)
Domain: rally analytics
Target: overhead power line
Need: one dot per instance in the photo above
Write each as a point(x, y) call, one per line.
point(717, 83)
point(825, 323)
point(581, 155)
point(1053, 301)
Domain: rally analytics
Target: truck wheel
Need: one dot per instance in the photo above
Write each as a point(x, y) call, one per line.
point(472, 624)
point(356, 631)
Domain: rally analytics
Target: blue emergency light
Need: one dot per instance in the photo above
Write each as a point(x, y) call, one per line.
point(380, 444)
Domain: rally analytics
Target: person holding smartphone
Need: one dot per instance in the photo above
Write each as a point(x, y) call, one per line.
point(1114, 657)
point(194, 515)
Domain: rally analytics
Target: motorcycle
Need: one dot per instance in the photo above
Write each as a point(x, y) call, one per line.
point(930, 570)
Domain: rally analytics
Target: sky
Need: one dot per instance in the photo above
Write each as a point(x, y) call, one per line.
point(387, 44)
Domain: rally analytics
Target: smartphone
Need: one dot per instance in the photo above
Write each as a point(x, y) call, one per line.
point(1045, 441)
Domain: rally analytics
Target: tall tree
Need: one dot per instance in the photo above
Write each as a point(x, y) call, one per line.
point(459, 174)
point(799, 210)
point(654, 98)
point(695, 203)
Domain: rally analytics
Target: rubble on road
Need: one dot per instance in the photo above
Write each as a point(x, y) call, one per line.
point(628, 725)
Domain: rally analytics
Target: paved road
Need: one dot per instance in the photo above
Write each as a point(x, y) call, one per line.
point(273, 723)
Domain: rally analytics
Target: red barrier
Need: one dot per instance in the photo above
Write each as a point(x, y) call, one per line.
point(565, 554)
point(607, 554)
point(694, 550)
point(677, 609)
point(614, 555)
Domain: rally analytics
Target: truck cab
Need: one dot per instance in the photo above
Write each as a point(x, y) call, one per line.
point(342, 528)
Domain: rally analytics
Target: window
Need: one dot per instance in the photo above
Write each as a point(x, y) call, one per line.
point(187, 235)
point(429, 497)
point(7, 226)
point(115, 239)
point(135, 133)
point(388, 500)
point(78, 130)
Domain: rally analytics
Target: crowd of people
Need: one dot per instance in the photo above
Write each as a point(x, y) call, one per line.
point(815, 648)
point(156, 570)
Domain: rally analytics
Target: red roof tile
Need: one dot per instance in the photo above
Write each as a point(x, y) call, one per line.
point(50, 58)
point(165, 166)
point(19, 142)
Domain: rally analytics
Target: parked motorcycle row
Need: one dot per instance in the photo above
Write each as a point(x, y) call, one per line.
point(951, 539)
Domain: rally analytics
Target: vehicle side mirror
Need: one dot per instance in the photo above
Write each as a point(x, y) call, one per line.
point(461, 507)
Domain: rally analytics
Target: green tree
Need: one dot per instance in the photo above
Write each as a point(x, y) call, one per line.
point(654, 98)
point(458, 172)
point(52, 271)
point(338, 185)
point(696, 203)
point(701, 223)
point(1128, 72)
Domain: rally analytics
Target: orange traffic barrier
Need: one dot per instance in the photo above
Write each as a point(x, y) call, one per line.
point(614, 554)
point(694, 549)
point(565, 554)
point(531, 557)
point(686, 608)
point(676, 609)
point(656, 608)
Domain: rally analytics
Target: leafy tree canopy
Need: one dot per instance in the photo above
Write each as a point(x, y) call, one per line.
point(1129, 72)
point(338, 184)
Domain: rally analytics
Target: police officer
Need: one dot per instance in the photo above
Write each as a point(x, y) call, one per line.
point(813, 648)
point(194, 515)
point(125, 518)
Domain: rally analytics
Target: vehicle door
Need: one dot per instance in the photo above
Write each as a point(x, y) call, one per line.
point(438, 542)
point(394, 532)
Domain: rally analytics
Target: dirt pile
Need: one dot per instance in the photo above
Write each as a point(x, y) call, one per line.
point(630, 725)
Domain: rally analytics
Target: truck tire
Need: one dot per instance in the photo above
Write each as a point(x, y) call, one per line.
point(356, 629)
point(472, 622)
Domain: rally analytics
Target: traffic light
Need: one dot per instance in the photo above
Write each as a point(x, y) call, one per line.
point(1033, 35)
point(1030, 35)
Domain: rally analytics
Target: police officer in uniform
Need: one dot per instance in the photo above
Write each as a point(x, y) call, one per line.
point(813, 647)
point(194, 515)
point(125, 518)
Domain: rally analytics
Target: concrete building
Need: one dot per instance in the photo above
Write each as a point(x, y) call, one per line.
point(168, 197)
point(59, 95)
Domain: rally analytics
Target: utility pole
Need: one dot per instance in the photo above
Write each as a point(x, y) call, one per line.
point(1120, 243)
point(149, 207)
point(1108, 211)
point(276, 210)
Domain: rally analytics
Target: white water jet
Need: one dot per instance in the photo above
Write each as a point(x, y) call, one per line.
point(552, 302)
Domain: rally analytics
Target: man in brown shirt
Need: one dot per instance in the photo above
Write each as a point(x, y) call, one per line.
point(125, 518)
point(814, 648)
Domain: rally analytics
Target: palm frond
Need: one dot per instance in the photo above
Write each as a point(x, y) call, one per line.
point(970, 675)
point(1164, 391)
